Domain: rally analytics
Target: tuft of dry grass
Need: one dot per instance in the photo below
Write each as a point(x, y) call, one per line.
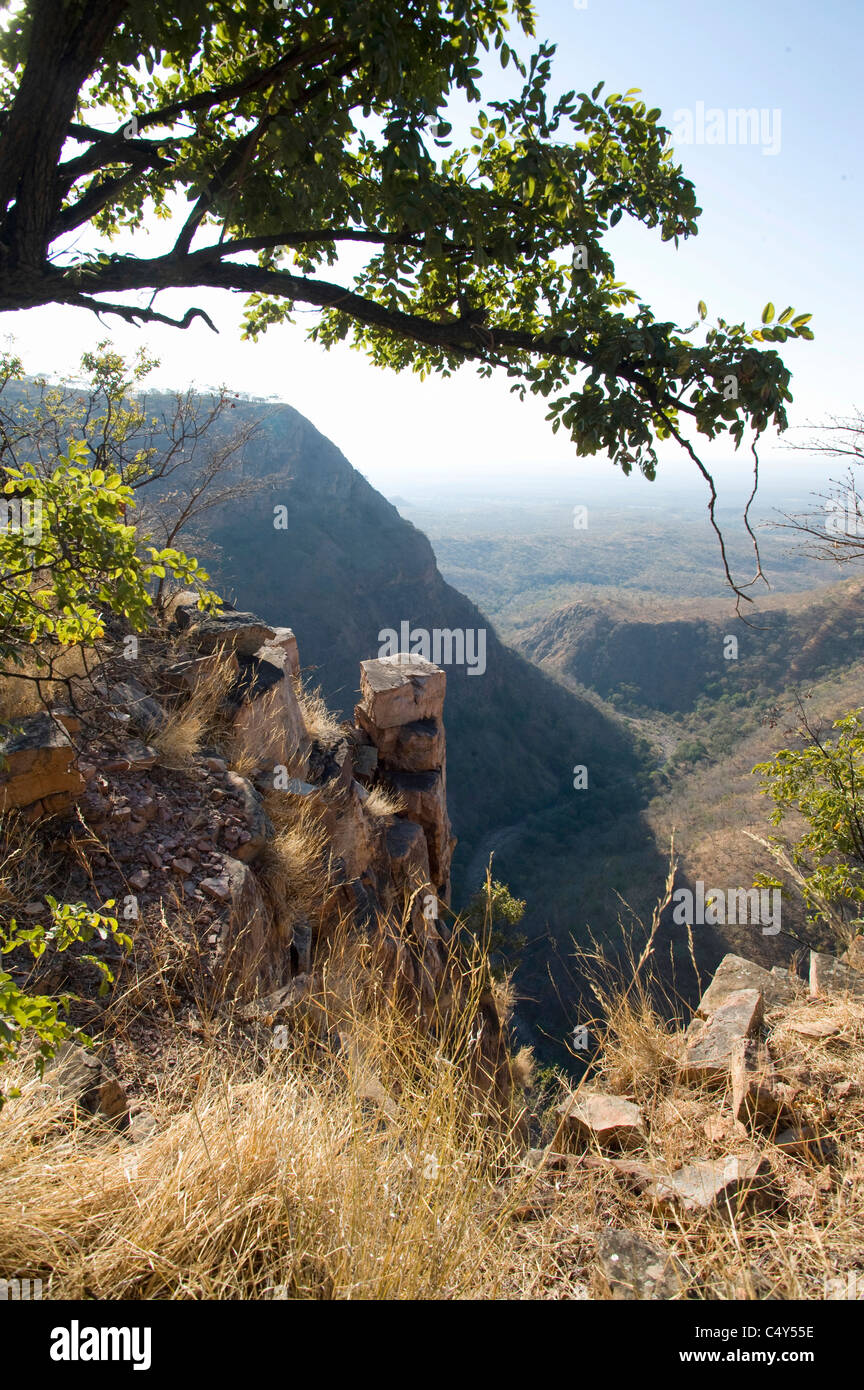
point(26, 870)
point(383, 802)
point(291, 864)
point(192, 722)
point(320, 722)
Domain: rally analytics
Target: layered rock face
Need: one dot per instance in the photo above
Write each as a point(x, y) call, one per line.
point(402, 712)
point(37, 772)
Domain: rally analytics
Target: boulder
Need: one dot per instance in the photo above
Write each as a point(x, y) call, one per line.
point(408, 853)
point(424, 797)
point(724, 1183)
point(630, 1267)
point(416, 747)
point(854, 956)
point(269, 722)
point(609, 1120)
point(283, 640)
point(713, 1045)
point(253, 954)
point(829, 977)
point(804, 1141)
point(146, 715)
point(37, 774)
point(142, 1126)
point(735, 973)
point(135, 757)
point(365, 759)
point(241, 633)
point(80, 1078)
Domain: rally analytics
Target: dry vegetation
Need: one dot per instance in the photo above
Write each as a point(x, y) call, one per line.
point(197, 718)
point(292, 863)
point(22, 695)
point(320, 722)
point(285, 1169)
point(382, 801)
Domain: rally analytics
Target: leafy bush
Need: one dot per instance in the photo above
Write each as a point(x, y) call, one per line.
point(824, 783)
point(38, 1015)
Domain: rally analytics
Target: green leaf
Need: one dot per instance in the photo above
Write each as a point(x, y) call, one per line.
point(768, 312)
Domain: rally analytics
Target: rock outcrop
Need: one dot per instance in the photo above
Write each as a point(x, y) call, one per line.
point(316, 833)
point(38, 776)
point(402, 713)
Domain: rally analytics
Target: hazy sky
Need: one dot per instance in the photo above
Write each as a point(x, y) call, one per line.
point(784, 226)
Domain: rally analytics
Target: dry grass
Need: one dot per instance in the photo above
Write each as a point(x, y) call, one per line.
point(20, 697)
point(383, 802)
point(320, 722)
point(372, 1167)
point(292, 862)
point(197, 719)
point(26, 870)
point(369, 1173)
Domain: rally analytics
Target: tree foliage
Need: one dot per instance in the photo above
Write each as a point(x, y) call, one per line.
point(70, 553)
point(279, 136)
point(25, 1016)
point(823, 782)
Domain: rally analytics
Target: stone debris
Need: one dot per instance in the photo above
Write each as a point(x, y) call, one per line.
point(813, 1028)
point(804, 1141)
point(142, 1126)
point(723, 1183)
point(257, 822)
point(631, 1267)
point(714, 1044)
point(735, 973)
point(755, 1098)
point(609, 1120)
point(829, 977)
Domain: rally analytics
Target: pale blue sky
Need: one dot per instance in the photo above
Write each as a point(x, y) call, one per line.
point(784, 227)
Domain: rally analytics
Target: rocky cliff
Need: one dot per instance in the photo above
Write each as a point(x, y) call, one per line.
point(196, 787)
point(319, 543)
